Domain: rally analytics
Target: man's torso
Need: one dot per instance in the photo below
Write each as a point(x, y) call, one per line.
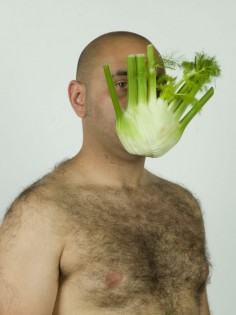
point(128, 251)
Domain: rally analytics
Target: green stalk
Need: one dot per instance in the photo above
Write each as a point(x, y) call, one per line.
point(189, 90)
point(185, 102)
point(151, 74)
point(197, 107)
point(132, 83)
point(195, 79)
point(142, 79)
point(115, 101)
point(177, 100)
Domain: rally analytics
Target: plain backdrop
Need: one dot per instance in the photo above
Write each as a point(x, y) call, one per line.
point(40, 42)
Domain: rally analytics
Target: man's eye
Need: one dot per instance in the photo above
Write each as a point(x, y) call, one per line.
point(121, 85)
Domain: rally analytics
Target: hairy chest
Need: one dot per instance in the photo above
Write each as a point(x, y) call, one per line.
point(134, 248)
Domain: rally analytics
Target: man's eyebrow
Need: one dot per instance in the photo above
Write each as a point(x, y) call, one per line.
point(124, 73)
point(120, 73)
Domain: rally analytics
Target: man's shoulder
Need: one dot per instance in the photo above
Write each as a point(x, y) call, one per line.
point(40, 197)
point(174, 190)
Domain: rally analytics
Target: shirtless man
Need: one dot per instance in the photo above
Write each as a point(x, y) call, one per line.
point(100, 235)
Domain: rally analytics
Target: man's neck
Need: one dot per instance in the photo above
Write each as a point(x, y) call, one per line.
point(103, 168)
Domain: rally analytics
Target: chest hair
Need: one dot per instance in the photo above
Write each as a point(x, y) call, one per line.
point(153, 237)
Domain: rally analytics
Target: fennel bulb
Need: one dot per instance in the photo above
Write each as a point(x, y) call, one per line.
point(151, 125)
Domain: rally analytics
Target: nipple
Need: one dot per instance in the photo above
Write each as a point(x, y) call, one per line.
point(113, 279)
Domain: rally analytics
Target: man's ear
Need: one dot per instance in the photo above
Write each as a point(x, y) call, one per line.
point(77, 96)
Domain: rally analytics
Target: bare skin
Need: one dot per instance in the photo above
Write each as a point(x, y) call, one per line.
point(100, 234)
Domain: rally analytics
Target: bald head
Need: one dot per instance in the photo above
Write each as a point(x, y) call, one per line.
point(90, 53)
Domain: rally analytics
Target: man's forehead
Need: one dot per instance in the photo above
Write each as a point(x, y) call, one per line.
point(121, 47)
point(115, 52)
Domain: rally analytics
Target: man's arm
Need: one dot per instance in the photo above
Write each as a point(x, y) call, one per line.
point(29, 260)
point(204, 306)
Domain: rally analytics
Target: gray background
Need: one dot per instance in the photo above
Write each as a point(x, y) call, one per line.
point(40, 42)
